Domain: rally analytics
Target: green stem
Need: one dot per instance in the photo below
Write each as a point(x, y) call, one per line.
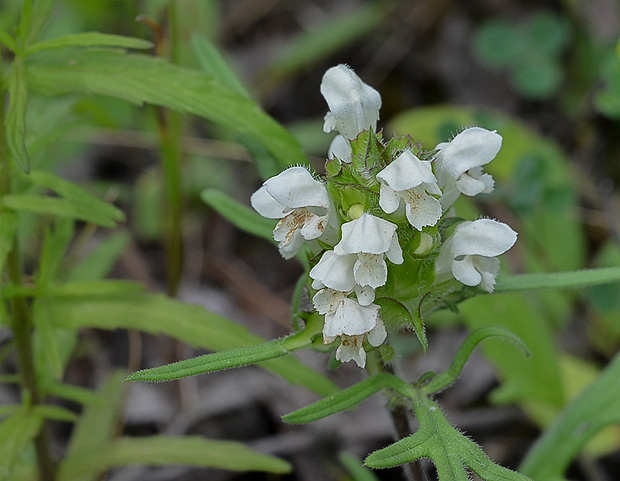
point(21, 325)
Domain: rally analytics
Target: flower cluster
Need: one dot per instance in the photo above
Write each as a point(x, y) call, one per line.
point(381, 204)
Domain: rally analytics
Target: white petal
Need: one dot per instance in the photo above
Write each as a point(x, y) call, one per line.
point(389, 200)
point(365, 295)
point(488, 268)
point(406, 172)
point(370, 270)
point(313, 225)
point(485, 237)
point(469, 185)
point(266, 205)
point(378, 334)
point(340, 148)
point(422, 209)
point(464, 271)
point(367, 234)
point(395, 252)
point(351, 349)
point(295, 187)
point(354, 106)
point(471, 148)
point(351, 319)
point(326, 300)
point(334, 271)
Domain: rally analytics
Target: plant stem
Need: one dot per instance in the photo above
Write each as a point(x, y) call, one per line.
point(21, 325)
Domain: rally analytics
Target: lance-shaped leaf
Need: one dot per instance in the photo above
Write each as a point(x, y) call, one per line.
point(558, 280)
point(349, 398)
point(241, 216)
point(595, 408)
point(88, 39)
point(143, 79)
point(158, 314)
point(450, 375)
point(8, 227)
point(15, 120)
point(453, 453)
point(242, 356)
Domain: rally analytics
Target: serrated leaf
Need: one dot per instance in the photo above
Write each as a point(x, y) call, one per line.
point(78, 195)
point(144, 79)
point(167, 450)
point(238, 214)
point(46, 205)
point(15, 120)
point(592, 410)
point(89, 39)
point(158, 314)
point(451, 451)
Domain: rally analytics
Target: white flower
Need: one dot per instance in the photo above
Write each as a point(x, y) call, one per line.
point(352, 322)
point(411, 180)
point(371, 239)
point(336, 272)
point(341, 149)
point(301, 202)
point(458, 164)
point(353, 105)
point(469, 253)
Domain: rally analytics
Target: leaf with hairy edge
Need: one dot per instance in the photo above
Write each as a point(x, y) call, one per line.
point(450, 375)
point(167, 450)
point(144, 79)
point(592, 410)
point(243, 356)
point(158, 314)
point(15, 120)
point(348, 398)
point(451, 451)
point(238, 214)
point(89, 39)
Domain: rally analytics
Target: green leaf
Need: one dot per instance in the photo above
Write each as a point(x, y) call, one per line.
point(558, 280)
point(242, 356)
point(89, 39)
point(166, 450)
point(98, 263)
point(144, 79)
point(15, 120)
point(498, 44)
point(212, 63)
point(55, 244)
point(55, 206)
point(318, 43)
point(7, 40)
point(450, 375)
point(592, 410)
point(348, 398)
point(355, 468)
point(8, 228)
point(238, 214)
point(16, 432)
point(451, 451)
point(158, 314)
point(76, 194)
